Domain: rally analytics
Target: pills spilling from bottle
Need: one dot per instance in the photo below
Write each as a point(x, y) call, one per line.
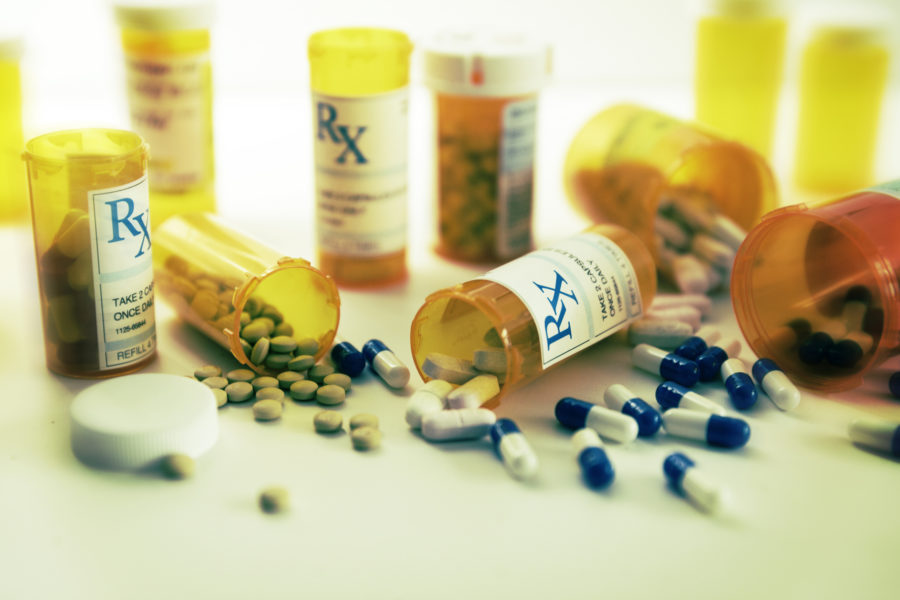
point(687, 480)
point(574, 414)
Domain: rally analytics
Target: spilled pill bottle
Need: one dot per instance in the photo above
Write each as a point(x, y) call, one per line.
point(485, 103)
point(359, 79)
point(536, 310)
point(627, 160)
point(221, 280)
point(13, 196)
point(816, 287)
point(91, 218)
point(738, 69)
point(169, 84)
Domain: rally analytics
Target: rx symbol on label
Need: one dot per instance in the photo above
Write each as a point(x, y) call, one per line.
point(556, 296)
point(326, 114)
point(128, 222)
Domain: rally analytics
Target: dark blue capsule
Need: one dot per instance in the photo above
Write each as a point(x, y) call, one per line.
point(741, 390)
point(348, 359)
point(894, 384)
point(727, 432)
point(691, 348)
point(844, 354)
point(762, 367)
point(895, 443)
point(669, 394)
point(858, 293)
point(595, 467)
point(502, 427)
point(679, 369)
point(710, 362)
point(647, 417)
point(372, 348)
point(813, 349)
point(674, 468)
point(572, 413)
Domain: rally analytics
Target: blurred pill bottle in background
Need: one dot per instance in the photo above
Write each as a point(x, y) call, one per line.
point(485, 89)
point(13, 199)
point(740, 47)
point(359, 79)
point(169, 85)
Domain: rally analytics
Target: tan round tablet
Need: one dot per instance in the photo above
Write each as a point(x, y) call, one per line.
point(274, 499)
point(303, 390)
point(205, 371)
point(363, 420)
point(365, 438)
point(264, 381)
point(302, 362)
point(240, 375)
point(270, 393)
point(267, 410)
point(239, 391)
point(177, 466)
point(284, 329)
point(330, 395)
point(216, 383)
point(255, 330)
point(328, 421)
point(283, 344)
point(340, 379)
point(260, 351)
point(307, 346)
point(318, 373)
point(278, 362)
point(287, 378)
point(221, 397)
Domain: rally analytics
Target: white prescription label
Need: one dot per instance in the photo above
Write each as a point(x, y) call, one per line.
point(123, 273)
point(360, 147)
point(516, 181)
point(890, 188)
point(578, 292)
point(170, 102)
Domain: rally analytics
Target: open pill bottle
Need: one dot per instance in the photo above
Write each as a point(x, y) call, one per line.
point(538, 309)
point(627, 159)
point(220, 280)
point(485, 102)
point(815, 287)
point(91, 218)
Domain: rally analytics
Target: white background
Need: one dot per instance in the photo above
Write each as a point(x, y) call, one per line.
point(813, 516)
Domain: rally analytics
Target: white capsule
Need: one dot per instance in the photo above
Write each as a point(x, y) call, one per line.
point(449, 368)
point(880, 435)
point(427, 399)
point(727, 231)
point(685, 314)
point(612, 424)
point(672, 233)
point(702, 492)
point(713, 251)
point(685, 423)
point(701, 302)
point(474, 392)
point(834, 328)
point(490, 360)
point(662, 334)
point(516, 453)
point(690, 274)
point(780, 390)
point(462, 424)
point(585, 438)
point(694, 401)
point(384, 362)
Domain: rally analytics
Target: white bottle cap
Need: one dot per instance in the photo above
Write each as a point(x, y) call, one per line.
point(165, 15)
point(482, 64)
point(129, 422)
point(10, 48)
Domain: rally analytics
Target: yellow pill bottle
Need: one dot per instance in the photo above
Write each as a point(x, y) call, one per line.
point(360, 100)
point(13, 202)
point(739, 62)
point(90, 206)
point(627, 158)
point(485, 102)
point(843, 74)
point(169, 84)
point(541, 308)
point(215, 275)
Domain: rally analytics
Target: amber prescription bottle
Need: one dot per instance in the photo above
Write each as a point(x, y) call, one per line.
point(169, 84)
point(359, 80)
point(485, 102)
point(214, 276)
point(541, 308)
point(90, 207)
point(626, 159)
point(815, 287)
point(13, 203)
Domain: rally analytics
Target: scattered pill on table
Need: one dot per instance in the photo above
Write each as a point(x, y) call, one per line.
point(303, 390)
point(267, 409)
point(514, 450)
point(328, 421)
point(207, 371)
point(177, 466)
point(740, 386)
point(715, 430)
point(672, 395)
point(386, 364)
point(690, 482)
point(363, 420)
point(573, 413)
point(620, 398)
point(596, 468)
point(365, 438)
point(665, 364)
point(348, 359)
point(879, 435)
point(461, 424)
point(274, 499)
point(776, 384)
point(330, 395)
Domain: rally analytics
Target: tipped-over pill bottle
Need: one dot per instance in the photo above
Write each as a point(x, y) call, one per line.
point(91, 218)
point(169, 84)
point(536, 310)
point(816, 287)
point(485, 103)
point(13, 202)
point(359, 80)
point(228, 284)
point(738, 69)
point(627, 159)
point(843, 75)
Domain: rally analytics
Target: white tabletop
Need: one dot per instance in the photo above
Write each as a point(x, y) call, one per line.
point(812, 515)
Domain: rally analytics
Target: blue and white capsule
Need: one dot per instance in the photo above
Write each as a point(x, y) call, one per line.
point(690, 482)
point(670, 395)
point(514, 450)
point(709, 363)
point(715, 430)
point(620, 398)
point(577, 414)
point(776, 384)
point(384, 362)
point(348, 359)
point(667, 365)
point(883, 436)
point(739, 384)
point(695, 345)
point(596, 469)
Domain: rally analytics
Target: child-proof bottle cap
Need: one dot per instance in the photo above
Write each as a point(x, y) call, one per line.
point(128, 422)
point(486, 64)
point(164, 15)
